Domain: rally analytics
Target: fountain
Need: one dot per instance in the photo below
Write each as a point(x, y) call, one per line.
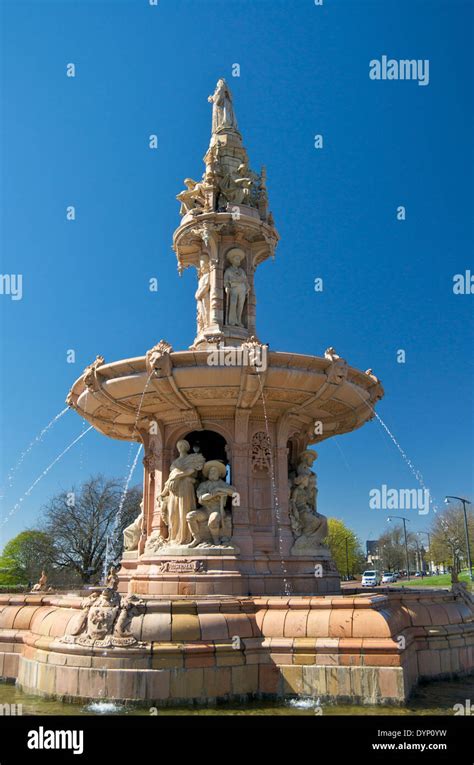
point(226, 587)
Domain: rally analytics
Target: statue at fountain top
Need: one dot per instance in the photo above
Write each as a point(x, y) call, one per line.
point(223, 117)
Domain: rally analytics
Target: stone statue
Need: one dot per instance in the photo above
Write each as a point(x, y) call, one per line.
point(212, 495)
point(112, 578)
point(41, 585)
point(203, 292)
point(222, 109)
point(105, 619)
point(132, 534)
point(305, 461)
point(338, 370)
point(236, 287)
point(309, 527)
point(179, 494)
point(192, 197)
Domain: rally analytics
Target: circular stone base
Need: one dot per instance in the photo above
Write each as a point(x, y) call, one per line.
point(344, 648)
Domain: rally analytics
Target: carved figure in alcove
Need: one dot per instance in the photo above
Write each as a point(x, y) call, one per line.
point(236, 287)
point(211, 521)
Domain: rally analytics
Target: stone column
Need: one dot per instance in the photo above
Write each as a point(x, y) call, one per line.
point(240, 463)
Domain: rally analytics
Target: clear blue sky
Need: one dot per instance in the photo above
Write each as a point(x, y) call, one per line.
point(304, 70)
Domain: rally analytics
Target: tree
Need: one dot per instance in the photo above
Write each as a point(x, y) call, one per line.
point(448, 537)
point(25, 556)
point(83, 522)
point(392, 552)
point(336, 541)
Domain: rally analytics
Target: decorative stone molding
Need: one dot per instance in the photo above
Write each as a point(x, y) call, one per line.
point(261, 451)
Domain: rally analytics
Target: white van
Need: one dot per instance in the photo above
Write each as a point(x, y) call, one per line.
point(370, 578)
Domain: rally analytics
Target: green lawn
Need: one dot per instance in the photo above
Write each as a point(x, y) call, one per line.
point(443, 580)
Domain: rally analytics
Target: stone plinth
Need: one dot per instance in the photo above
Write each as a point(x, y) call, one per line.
point(197, 574)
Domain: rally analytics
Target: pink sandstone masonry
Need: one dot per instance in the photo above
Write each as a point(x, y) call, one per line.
point(367, 649)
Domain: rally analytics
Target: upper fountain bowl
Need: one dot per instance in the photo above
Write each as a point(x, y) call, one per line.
point(316, 396)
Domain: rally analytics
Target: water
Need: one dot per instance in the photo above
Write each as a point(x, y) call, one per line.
point(41, 476)
point(415, 472)
point(110, 552)
point(276, 503)
point(104, 708)
point(112, 543)
point(36, 440)
point(435, 698)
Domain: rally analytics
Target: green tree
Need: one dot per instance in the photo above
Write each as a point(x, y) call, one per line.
point(345, 547)
point(24, 557)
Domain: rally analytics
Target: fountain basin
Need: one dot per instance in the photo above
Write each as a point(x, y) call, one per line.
point(366, 649)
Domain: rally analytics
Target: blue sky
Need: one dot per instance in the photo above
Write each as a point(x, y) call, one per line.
point(304, 70)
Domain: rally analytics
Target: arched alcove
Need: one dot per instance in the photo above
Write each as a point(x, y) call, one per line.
point(211, 444)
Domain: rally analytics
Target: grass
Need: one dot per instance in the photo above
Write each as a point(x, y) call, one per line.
point(443, 580)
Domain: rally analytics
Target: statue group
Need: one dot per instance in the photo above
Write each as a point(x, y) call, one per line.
point(221, 185)
point(193, 505)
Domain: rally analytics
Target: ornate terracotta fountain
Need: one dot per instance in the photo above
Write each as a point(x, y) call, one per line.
point(226, 587)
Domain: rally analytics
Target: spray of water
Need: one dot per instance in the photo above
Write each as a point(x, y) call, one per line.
point(36, 440)
point(276, 502)
point(415, 472)
point(110, 551)
point(41, 476)
point(111, 544)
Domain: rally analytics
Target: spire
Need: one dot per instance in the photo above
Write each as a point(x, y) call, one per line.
point(226, 230)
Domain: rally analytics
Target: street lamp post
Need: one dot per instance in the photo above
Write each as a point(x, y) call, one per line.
point(429, 547)
point(466, 530)
point(406, 541)
point(347, 557)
